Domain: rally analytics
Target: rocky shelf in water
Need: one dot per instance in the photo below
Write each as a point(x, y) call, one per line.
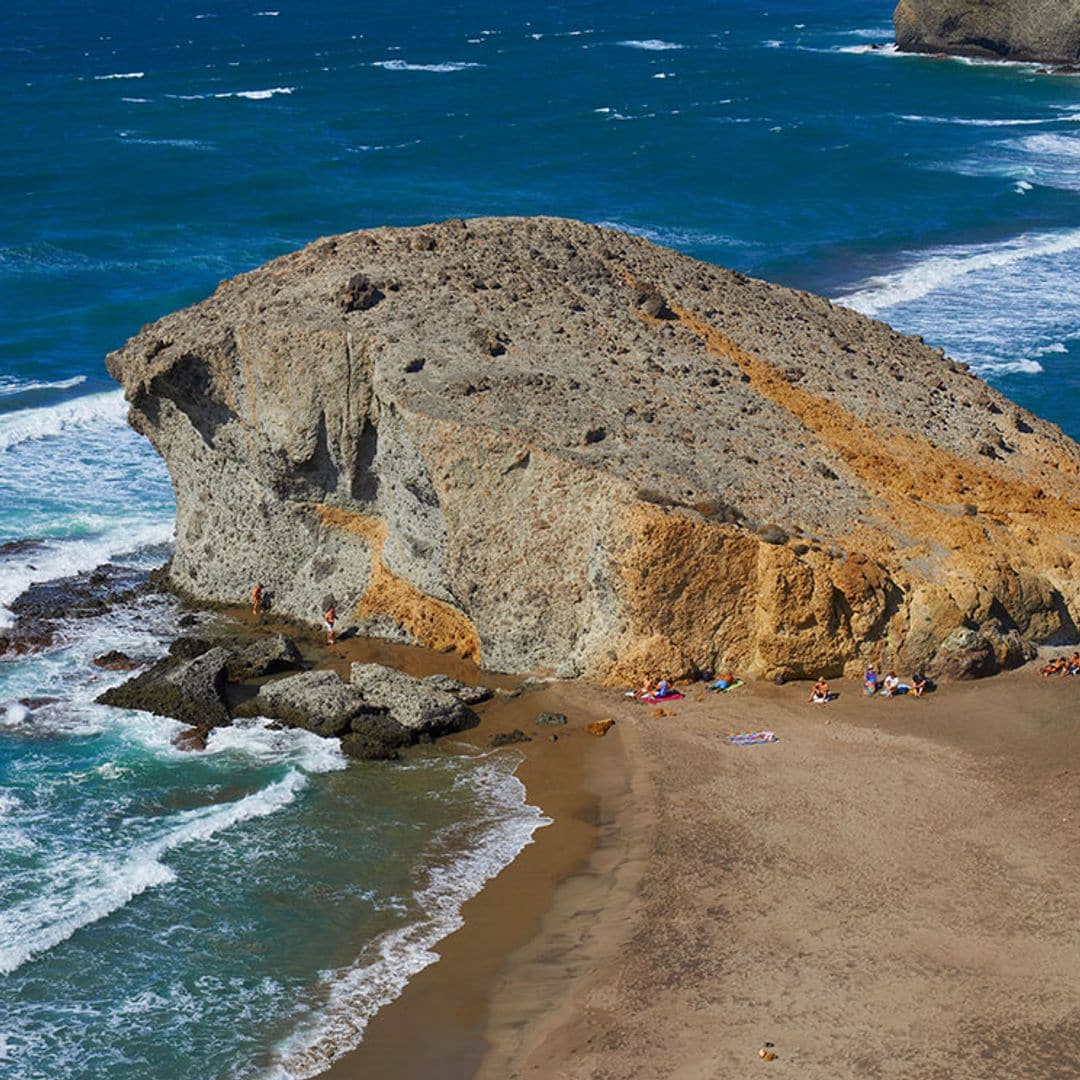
point(1046, 31)
point(552, 446)
point(207, 683)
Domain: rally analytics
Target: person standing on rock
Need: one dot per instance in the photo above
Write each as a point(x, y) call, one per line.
point(329, 618)
point(257, 599)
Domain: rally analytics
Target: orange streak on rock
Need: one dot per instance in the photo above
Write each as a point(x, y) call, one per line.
point(432, 622)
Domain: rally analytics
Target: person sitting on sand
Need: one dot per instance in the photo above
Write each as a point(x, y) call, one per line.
point(257, 599)
point(648, 687)
point(329, 618)
point(820, 694)
point(663, 689)
point(918, 684)
point(1074, 664)
point(891, 684)
point(870, 682)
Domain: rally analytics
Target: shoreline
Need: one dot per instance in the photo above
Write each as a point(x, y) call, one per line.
point(891, 853)
point(573, 781)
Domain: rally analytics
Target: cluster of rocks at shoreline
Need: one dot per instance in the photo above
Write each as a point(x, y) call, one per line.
point(44, 606)
point(376, 713)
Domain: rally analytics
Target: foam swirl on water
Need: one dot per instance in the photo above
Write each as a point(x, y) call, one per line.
point(86, 888)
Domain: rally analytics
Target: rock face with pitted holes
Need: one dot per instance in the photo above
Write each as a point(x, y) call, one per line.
point(548, 445)
point(1043, 30)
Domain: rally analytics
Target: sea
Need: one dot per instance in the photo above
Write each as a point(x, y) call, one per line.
point(243, 912)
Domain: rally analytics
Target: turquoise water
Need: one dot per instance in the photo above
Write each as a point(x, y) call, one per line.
point(159, 914)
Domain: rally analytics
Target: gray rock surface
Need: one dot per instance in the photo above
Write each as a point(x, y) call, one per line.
point(315, 700)
point(551, 446)
point(1043, 30)
point(416, 704)
point(265, 656)
point(551, 719)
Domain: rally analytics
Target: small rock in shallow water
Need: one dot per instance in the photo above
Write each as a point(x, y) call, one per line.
point(551, 719)
point(507, 738)
point(115, 660)
point(192, 738)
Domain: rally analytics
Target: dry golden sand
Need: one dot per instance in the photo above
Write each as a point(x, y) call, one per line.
point(891, 890)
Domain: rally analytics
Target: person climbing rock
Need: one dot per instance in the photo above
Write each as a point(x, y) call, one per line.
point(329, 618)
point(257, 600)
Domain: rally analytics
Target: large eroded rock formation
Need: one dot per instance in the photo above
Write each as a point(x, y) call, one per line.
point(1044, 30)
point(550, 445)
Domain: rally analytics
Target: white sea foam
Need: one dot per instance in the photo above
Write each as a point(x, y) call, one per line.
point(1050, 159)
point(873, 33)
point(864, 50)
point(256, 738)
point(1021, 187)
point(251, 95)
point(14, 714)
point(11, 384)
point(92, 411)
point(58, 558)
point(444, 68)
point(122, 75)
point(83, 888)
point(259, 95)
point(136, 100)
point(967, 121)
point(182, 144)
point(943, 268)
point(266, 14)
point(381, 972)
point(652, 45)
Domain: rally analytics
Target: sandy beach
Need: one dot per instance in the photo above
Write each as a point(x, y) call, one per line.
point(890, 890)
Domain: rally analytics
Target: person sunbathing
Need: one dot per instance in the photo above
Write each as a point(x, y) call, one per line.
point(820, 693)
point(870, 682)
point(648, 688)
point(1057, 666)
point(663, 689)
point(725, 681)
point(891, 684)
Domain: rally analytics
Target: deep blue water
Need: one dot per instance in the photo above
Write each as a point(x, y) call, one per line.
point(150, 154)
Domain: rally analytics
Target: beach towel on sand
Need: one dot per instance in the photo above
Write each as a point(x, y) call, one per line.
point(652, 699)
point(751, 738)
point(724, 689)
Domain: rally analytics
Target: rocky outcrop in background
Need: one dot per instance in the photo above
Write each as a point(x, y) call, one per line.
point(548, 445)
point(1043, 30)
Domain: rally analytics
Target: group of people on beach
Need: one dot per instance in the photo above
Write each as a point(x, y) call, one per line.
point(259, 603)
point(873, 684)
point(1062, 665)
point(891, 686)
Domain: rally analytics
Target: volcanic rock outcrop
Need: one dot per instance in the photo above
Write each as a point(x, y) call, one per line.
point(548, 445)
point(1043, 30)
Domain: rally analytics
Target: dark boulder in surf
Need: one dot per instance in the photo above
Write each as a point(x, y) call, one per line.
point(191, 690)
